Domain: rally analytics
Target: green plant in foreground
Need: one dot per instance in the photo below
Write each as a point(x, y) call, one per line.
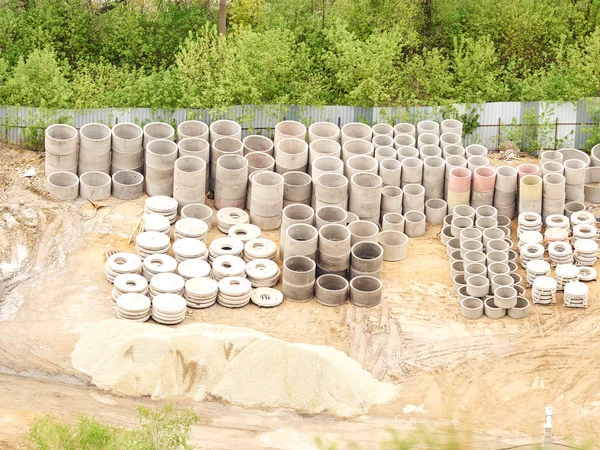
point(166, 428)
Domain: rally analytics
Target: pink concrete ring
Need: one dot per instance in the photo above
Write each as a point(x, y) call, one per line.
point(460, 179)
point(484, 179)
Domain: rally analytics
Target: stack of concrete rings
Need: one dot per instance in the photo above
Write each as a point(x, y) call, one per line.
point(299, 274)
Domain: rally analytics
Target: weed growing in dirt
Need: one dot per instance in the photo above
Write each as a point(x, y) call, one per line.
point(166, 428)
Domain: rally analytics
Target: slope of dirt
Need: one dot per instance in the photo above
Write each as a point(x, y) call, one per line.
point(492, 378)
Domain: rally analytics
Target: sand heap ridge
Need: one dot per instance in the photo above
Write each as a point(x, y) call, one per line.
point(231, 364)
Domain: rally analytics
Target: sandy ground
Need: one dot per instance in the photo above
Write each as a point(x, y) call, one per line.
point(489, 379)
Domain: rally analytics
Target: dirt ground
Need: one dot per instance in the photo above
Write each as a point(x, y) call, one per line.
point(491, 380)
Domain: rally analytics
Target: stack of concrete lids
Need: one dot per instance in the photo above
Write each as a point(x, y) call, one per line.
point(266, 297)
point(166, 283)
point(133, 306)
point(228, 217)
point(228, 266)
point(234, 292)
point(163, 205)
point(201, 292)
point(189, 248)
point(168, 309)
point(576, 295)
point(262, 273)
point(225, 246)
point(121, 263)
point(191, 228)
point(158, 264)
point(245, 232)
point(152, 243)
point(158, 223)
point(194, 268)
point(260, 248)
point(129, 283)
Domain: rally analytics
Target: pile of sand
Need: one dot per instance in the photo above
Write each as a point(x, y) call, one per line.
point(231, 364)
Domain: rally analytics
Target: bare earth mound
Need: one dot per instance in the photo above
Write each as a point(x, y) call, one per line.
point(231, 364)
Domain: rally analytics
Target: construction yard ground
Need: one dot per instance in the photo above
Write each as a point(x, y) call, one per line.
point(489, 379)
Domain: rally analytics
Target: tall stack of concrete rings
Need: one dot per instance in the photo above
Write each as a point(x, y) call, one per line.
point(382, 184)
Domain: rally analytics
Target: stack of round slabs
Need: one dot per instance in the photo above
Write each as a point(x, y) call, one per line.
point(163, 205)
point(566, 273)
point(224, 246)
point(129, 283)
point(586, 252)
point(168, 309)
point(262, 273)
point(132, 306)
point(266, 297)
point(245, 232)
point(560, 252)
point(156, 264)
point(166, 283)
point(121, 263)
point(530, 237)
point(194, 268)
point(201, 292)
point(529, 221)
point(576, 295)
point(234, 292)
point(544, 291)
point(260, 248)
point(191, 228)
point(537, 268)
point(152, 243)
point(558, 221)
point(228, 266)
point(158, 223)
point(587, 273)
point(228, 217)
point(531, 252)
point(556, 235)
point(189, 248)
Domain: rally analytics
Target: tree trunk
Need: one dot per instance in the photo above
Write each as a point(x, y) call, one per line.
point(223, 17)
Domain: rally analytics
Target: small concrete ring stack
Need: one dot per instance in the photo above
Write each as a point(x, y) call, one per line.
point(122, 263)
point(201, 292)
point(129, 283)
point(245, 232)
point(260, 248)
point(190, 228)
point(262, 273)
point(189, 248)
point(194, 268)
point(228, 217)
point(149, 243)
point(331, 290)
point(156, 264)
point(228, 266)
point(298, 278)
point(163, 205)
point(166, 283)
point(224, 246)
point(134, 307)
point(234, 292)
point(168, 309)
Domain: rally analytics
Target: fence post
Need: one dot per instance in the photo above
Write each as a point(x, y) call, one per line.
point(556, 134)
point(498, 138)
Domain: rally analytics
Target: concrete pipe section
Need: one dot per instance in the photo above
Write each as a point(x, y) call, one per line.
point(61, 139)
point(471, 308)
point(434, 168)
point(435, 211)
point(259, 161)
point(382, 140)
point(382, 129)
point(357, 147)
point(405, 128)
point(198, 211)
point(366, 259)
point(331, 190)
point(266, 203)
point(451, 126)
point(291, 154)
point(220, 147)
point(289, 129)
point(404, 140)
point(361, 163)
point(95, 186)
point(451, 163)
point(385, 152)
point(94, 148)
point(231, 182)
point(298, 281)
point(453, 150)
point(301, 240)
point(573, 207)
point(447, 139)
point(530, 194)
point(392, 221)
point(414, 198)
point(484, 181)
point(415, 223)
point(427, 139)
point(390, 171)
point(158, 130)
point(474, 162)
point(324, 130)
point(412, 171)
point(363, 230)
point(160, 158)
point(551, 156)
point(365, 291)
point(63, 185)
point(189, 180)
point(428, 126)
point(394, 244)
point(459, 187)
point(552, 167)
point(365, 195)
point(297, 188)
point(405, 152)
point(323, 147)
point(572, 153)
point(331, 290)
point(192, 129)
point(391, 199)
point(575, 180)
point(127, 184)
point(334, 248)
point(356, 130)
point(225, 128)
point(326, 164)
point(591, 190)
point(194, 147)
point(476, 150)
point(127, 138)
point(330, 214)
point(293, 214)
point(256, 143)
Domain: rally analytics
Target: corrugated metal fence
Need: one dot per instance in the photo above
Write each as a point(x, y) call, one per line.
point(552, 124)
